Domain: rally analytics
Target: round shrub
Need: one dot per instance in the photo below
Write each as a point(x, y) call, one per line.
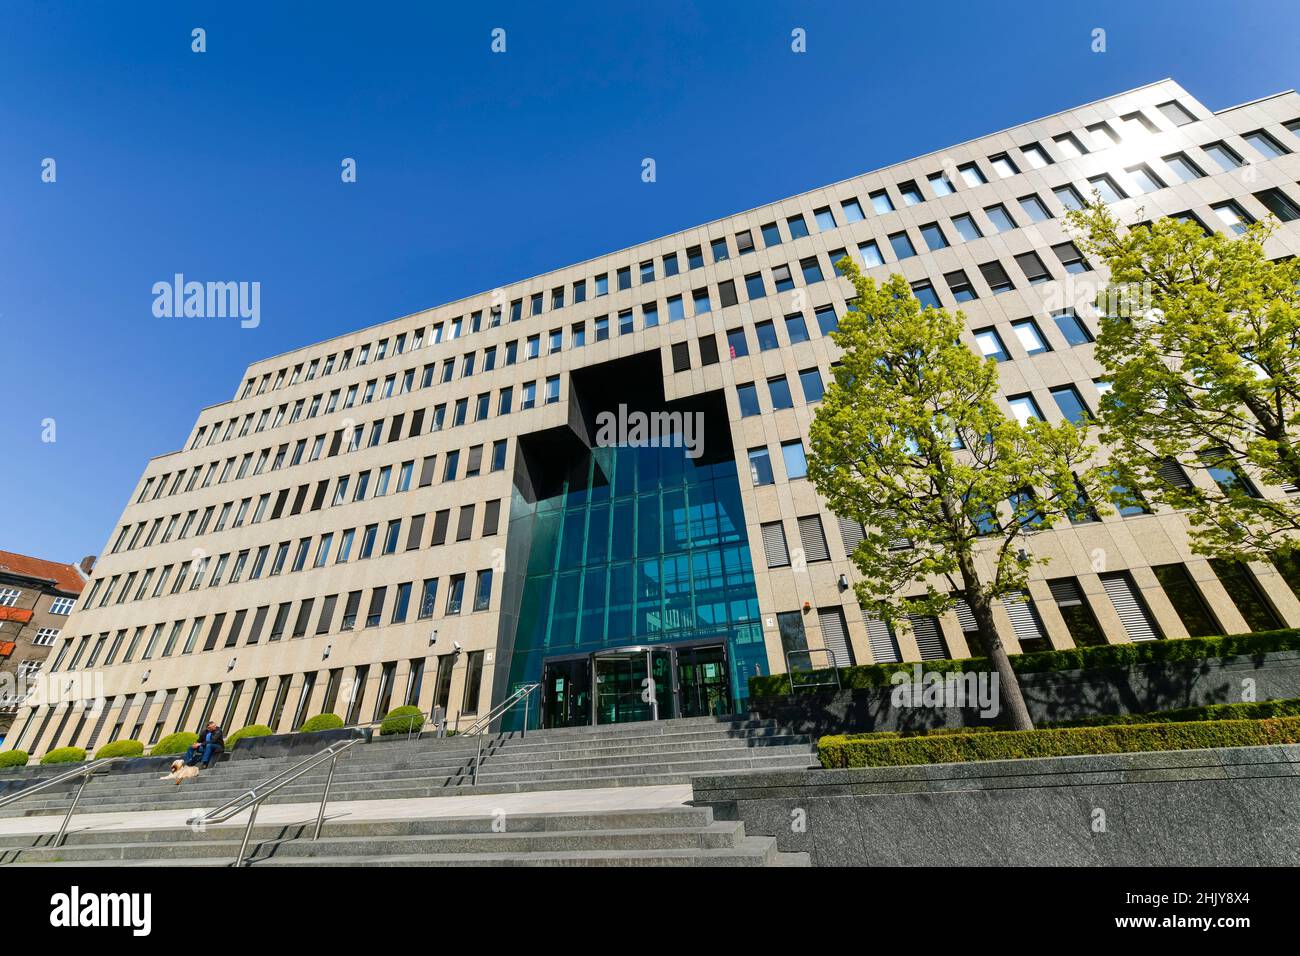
point(120, 748)
point(321, 722)
point(13, 758)
point(176, 743)
point(252, 730)
point(402, 720)
point(64, 755)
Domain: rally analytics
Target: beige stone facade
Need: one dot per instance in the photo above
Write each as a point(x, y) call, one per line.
point(182, 518)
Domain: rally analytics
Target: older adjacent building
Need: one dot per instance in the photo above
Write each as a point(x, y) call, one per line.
point(424, 511)
point(36, 597)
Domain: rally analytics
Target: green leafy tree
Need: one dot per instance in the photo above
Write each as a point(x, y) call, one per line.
point(1200, 339)
point(911, 441)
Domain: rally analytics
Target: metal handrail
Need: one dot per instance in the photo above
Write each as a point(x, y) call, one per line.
point(410, 722)
point(522, 694)
point(253, 799)
point(835, 668)
point(85, 772)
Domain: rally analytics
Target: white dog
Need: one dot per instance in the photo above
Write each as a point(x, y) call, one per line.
point(180, 772)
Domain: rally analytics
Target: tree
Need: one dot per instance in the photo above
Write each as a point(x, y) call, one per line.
point(1200, 339)
point(911, 442)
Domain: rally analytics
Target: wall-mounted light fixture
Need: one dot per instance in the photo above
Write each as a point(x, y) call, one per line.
point(326, 655)
point(230, 666)
point(844, 582)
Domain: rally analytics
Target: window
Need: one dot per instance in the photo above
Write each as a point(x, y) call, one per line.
point(760, 466)
point(1265, 144)
point(812, 270)
point(940, 184)
point(1031, 339)
point(796, 329)
point(1003, 165)
point(708, 350)
point(499, 455)
point(1183, 168)
point(681, 356)
point(1225, 472)
point(1187, 600)
point(1068, 197)
point(990, 345)
point(1246, 593)
point(1071, 258)
point(996, 276)
point(925, 294)
point(825, 219)
point(934, 237)
point(1279, 204)
point(647, 271)
point(694, 257)
point(959, 285)
point(1032, 267)
point(747, 395)
point(736, 343)
point(971, 175)
point(901, 245)
point(1000, 218)
point(796, 463)
point(1071, 404)
point(1069, 145)
point(1072, 327)
point(1024, 408)
point(771, 235)
point(1080, 620)
point(483, 590)
point(910, 193)
point(676, 311)
point(1142, 180)
point(1224, 155)
point(1176, 113)
point(778, 390)
point(798, 228)
point(775, 549)
point(881, 202)
point(1232, 216)
point(966, 228)
point(852, 210)
point(552, 389)
point(700, 298)
point(781, 278)
point(1102, 136)
point(60, 605)
point(670, 265)
point(754, 288)
point(870, 253)
point(827, 320)
point(1035, 155)
point(766, 333)
point(811, 381)
point(1105, 186)
point(726, 295)
point(455, 594)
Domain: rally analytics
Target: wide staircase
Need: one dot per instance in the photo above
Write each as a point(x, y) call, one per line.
point(621, 755)
point(679, 836)
point(624, 755)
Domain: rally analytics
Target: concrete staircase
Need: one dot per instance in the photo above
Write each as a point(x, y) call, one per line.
point(679, 836)
point(639, 754)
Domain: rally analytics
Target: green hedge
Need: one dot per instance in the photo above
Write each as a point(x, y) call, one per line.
point(14, 758)
point(402, 720)
point(1074, 658)
point(120, 748)
point(841, 751)
point(252, 730)
point(64, 755)
point(176, 743)
point(321, 722)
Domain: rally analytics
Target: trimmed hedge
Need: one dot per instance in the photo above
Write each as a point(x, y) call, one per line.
point(1074, 658)
point(1256, 710)
point(176, 743)
point(14, 758)
point(252, 730)
point(321, 722)
point(120, 748)
point(64, 755)
point(402, 720)
point(841, 751)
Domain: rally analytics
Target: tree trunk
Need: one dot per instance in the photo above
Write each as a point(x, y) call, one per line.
point(1009, 684)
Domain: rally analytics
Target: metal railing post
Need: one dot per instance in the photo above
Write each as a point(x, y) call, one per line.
point(324, 798)
point(478, 758)
point(85, 779)
point(248, 831)
point(524, 732)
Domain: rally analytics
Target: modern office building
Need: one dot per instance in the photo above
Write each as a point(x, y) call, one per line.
point(425, 511)
point(36, 597)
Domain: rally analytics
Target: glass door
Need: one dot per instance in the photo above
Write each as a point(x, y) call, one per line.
point(703, 687)
point(566, 693)
point(622, 682)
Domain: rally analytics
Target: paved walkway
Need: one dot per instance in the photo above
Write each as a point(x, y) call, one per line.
point(594, 800)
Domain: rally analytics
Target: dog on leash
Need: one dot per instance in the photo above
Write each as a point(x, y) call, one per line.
point(180, 772)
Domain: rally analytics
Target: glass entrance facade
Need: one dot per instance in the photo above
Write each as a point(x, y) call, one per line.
point(639, 549)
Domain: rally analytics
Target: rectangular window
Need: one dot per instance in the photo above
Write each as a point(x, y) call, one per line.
point(1000, 218)
point(966, 227)
point(760, 466)
point(881, 202)
point(870, 253)
point(796, 462)
point(1031, 339)
point(990, 344)
point(778, 389)
point(902, 245)
point(747, 396)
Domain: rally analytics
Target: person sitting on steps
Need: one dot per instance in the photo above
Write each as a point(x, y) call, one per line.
point(207, 748)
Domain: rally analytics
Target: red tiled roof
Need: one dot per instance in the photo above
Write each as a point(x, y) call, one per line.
point(66, 577)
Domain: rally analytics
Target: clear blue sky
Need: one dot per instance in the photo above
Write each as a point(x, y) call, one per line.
point(474, 169)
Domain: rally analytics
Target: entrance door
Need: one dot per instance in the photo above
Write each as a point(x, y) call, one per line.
point(566, 693)
point(703, 686)
point(624, 682)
